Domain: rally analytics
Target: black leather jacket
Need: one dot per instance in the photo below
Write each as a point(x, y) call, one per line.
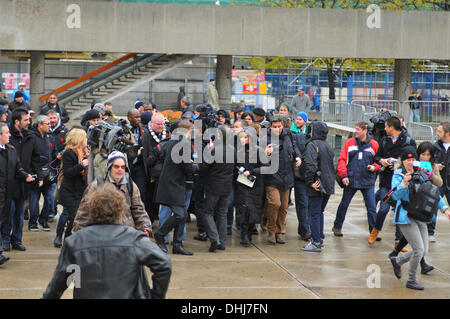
point(111, 259)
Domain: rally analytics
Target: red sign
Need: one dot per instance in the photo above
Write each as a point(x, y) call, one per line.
point(250, 88)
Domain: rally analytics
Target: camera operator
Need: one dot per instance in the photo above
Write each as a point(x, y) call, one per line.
point(378, 131)
point(24, 142)
point(357, 169)
point(47, 176)
point(277, 185)
point(10, 173)
point(390, 149)
point(414, 230)
point(319, 179)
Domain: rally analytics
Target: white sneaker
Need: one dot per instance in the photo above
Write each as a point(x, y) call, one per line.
point(432, 239)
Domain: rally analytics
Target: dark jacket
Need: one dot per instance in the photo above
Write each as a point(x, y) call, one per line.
point(388, 149)
point(15, 105)
point(59, 136)
point(250, 198)
point(28, 154)
point(58, 107)
point(73, 184)
point(46, 148)
point(443, 157)
point(319, 157)
point(172, 181)
point(14, 175)
point(300, 141)
point(219, 173)
point(286, 152)
point(149, 144)
point(110, 258)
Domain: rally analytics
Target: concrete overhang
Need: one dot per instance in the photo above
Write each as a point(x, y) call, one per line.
point(75, 26)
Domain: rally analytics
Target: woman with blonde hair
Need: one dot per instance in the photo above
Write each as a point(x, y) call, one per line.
point(75, 163)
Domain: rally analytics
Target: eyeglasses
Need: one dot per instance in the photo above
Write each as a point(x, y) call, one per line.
point(45, 123)
point(119, 166)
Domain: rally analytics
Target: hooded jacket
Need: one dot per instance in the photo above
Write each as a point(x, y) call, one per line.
point(58, 107)
point(319, 157)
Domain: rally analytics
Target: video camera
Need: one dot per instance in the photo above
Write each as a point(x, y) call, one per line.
point(110, 138)
point(208, 116)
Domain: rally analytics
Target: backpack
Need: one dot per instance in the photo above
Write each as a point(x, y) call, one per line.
point(424, 198)
point(414, 102)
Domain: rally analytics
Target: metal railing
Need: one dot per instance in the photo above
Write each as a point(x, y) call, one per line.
point(335, 112)
point(392, 105)
point(420, 132)
point(430, 112)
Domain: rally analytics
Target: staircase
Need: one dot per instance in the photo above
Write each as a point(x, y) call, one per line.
point(114, 79)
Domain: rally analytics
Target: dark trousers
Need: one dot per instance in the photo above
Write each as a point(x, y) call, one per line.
point(383, 211)
point(140, 179)
point(198, 194)
point(14, 222)
point(67, 218)
point(215, 217)
point(176, 221)
point(316, 207)
point(369, 200)
point(301, 207)
point(230, 213)
point(153, 211)
point(432, 226)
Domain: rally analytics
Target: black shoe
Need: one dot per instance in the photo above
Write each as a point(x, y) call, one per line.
point(44, 226)
point(33, 228)
point(306, 237)
point(229, 232)
point(3, 259)
point(160, 242)
point(255, 231)
point(426, 269)
point(181, 251)
point(18, 246)
point(58, 242)
point(379, 239)
point(414, 285)
point(201, 237)
point(221, 247)
point(213, 247)
point(394, 253)
point(397, 268)
point(26, 216)
point(6, 247)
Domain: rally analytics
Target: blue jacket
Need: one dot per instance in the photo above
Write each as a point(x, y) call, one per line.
point(402, 194)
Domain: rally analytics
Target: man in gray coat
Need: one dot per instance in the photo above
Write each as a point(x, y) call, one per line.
point(300, 102)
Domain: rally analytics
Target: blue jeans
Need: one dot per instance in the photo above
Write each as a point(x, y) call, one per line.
point(165, 212)
point(33, 196)
point(301, 207)
point(414, 113)
point(383, 211)
point(316, 207)
point(15, 222)
point(52, 211)
point(369, 200)
point(230, 214)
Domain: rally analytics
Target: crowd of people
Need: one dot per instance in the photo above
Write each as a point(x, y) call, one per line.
point(226, 169)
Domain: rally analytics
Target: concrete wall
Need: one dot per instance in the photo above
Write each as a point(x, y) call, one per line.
point(52, 25)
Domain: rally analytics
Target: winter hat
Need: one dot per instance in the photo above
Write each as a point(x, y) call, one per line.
point(259, 111)
point(100, 107)
point(3, 110)
point(409, 152)
point(138, 104)
point(115, 155)
point(18, 94)
point(92, 114)
point(146, 117)
point(303, 115)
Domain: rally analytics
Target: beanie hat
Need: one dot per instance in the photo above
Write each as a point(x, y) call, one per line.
point(115, 155)
point(100, 107)
point(303, 115)
point(3, 110)
point(259, 111)
point(138, 104)
point(146, 117)
point(92, 114)
point(409, 152)
point(18, 94)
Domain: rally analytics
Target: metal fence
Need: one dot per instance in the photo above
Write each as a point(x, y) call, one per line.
point(392, 105)
point(430, 112)
point(420, 132)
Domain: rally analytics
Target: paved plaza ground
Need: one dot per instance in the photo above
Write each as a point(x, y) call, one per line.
point(263, 271)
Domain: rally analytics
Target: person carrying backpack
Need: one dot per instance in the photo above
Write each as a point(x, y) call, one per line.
point(414, 104)
point(414, 194)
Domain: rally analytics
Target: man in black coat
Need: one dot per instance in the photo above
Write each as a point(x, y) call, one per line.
point(10, 172)
point(282, 150)
point(172, 186)
point(23, 141)
point(53, 104)
point(319, 179)
point(46, 176)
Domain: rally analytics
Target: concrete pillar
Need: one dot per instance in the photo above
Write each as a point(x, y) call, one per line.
point(223, 80)
point(37, 78)
point(402, 83)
